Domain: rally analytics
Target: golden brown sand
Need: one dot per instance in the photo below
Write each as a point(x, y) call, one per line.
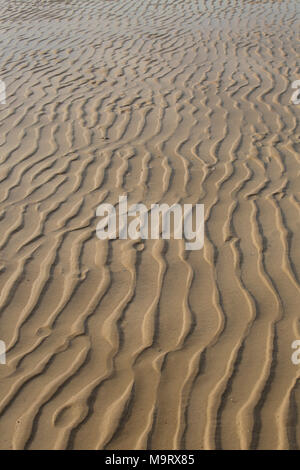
point(131, 345)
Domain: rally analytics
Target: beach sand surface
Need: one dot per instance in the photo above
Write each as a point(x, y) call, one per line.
point(142, 344)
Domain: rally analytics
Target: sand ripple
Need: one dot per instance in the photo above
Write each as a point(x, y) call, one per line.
point(123, 346)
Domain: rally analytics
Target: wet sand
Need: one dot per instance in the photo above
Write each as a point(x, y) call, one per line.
point(131, 344)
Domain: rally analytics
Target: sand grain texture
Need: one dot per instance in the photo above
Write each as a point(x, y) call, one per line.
point(130, 345)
